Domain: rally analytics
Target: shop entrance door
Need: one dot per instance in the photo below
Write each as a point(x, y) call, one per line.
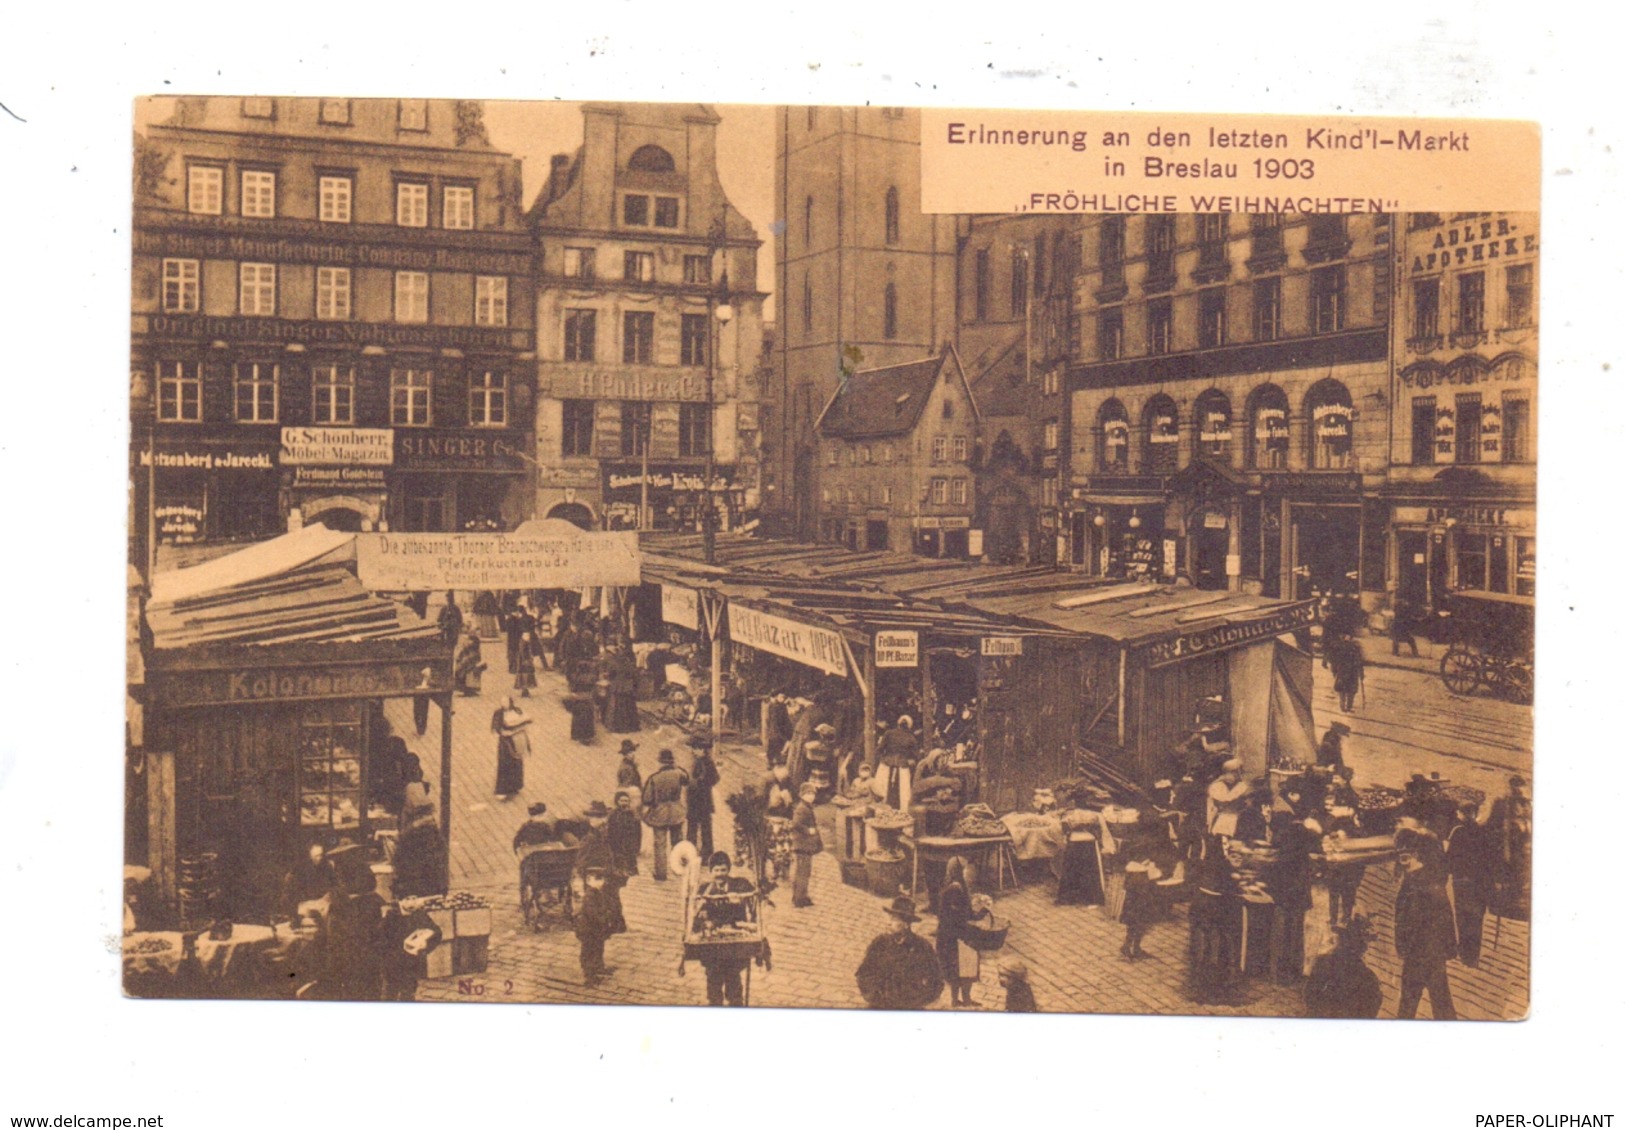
point(1211, 545)
point(1326, 550)
point(1411, 585)
point(878, 535)
point(956, 543)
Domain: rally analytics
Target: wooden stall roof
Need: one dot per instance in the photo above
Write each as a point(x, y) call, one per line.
point(1133, 613)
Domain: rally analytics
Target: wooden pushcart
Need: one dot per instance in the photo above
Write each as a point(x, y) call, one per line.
point(546, 878)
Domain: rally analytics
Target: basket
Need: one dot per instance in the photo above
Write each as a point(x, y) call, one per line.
point(988, 938)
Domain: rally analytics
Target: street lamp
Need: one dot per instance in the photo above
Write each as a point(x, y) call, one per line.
point(722, 313)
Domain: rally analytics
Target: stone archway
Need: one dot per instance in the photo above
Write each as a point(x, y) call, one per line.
point(342, 512)
point(576, 513)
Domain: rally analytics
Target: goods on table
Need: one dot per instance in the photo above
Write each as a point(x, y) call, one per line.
point(1459, 795)
point(884, 818)
point(464, 922)
point(153, 945)
point(1376, 798)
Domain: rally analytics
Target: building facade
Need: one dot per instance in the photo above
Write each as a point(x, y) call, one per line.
point(895, 448)
point(864, 280)
point(1228, 415)
point(331, 320)
point(1462, 478)
point(649, 327)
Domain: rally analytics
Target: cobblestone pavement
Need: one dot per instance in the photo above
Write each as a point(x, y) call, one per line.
point(1072, 952)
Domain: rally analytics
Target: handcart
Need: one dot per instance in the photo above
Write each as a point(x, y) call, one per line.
point(742, 941)
point(546, 879)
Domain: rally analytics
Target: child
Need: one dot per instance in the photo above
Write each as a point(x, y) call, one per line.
point(1018, 995)
point(594, 924)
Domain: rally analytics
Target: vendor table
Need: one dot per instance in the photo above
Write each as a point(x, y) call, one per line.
point(944, 848)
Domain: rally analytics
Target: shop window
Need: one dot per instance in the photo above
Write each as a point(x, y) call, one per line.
point(414, 114)
point(1210, 317)
point(255, 386)
point(334, 200)
point(1424, 423)
point(490, 300)
point(1267, 309)
point(259, 193)
point(580, 335)
point(256, 289)
point(697, 269)
point(1470, 303)
point(411, 204)
point(638, 337)
point(488, 400)
point(1520, 306)
point(1111, 250)
point(1018, 282)
point(893, 215)
point(1109, 334)
point(635, 425)
point(1161, 425)
point(1331, 412)
point(333, 394)
point(411, 296)
point(696, 337)
point(1326, 298)
point(889, 313)
point(457, 207)
point(580, 263)
point(332, 293)
point(1213, 425)
point(423, 510)
point(205, 189)
point(1524, 558)
point(578, 422)
point(984, 281)
point(180, 391)
point(180, 286)
point(1159, 326)
point(638, 266)
point(1469, 427)
point(330, 784)
point(1271, 431)
point(1114, 437)
point(409, 401)
point(1517, 430)
point(1472, 561)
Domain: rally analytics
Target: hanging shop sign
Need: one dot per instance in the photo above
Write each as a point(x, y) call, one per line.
point(338, 447)
point(680, 606)
point(424, 562)
point(1001, 646)
point(897, 649)
point(942, 523)
point(820, 648)
point(228, 687)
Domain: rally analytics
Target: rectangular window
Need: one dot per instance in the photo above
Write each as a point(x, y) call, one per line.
point(409, 397)
point(1210, 235)
point(411, 296)
point(1520, 310)
point(885, 453)
point(1266, 309)
point(330, 753)
point(414, 114)
point(578, 421)
point(205, 189)
point(332, 293)
point(693, 429)
point(1472, 560)
point(490, 300)
point(666, 211)
point(939, 491)
point(1425, 308)
point(961, 448)
point(694, 339)
point(697, 268)
point(335, 111)
point(885, 495)
point(959, 492)
point(1517, 430)
point(1052, 382)
point(256, 289)
point(635, 427)
point(259, 193)
point(635, 211)
point(1049, 493)
point(1469, 427)
point(638, 337)
point(1052, 435)
point(256, 393)
point(1159, 325)
point(488, 400)
point(580, 335)
point(1524, 557)
point(457, 207)
point(1326, 299)
point(335, 200)
point(1111, 250)
point(580, 263)
point(1109, 334)
point(412, 204)
point(1470, 303)
point(180, 291)
point(1210, 316)
point(1018, 282)
point(834, 456)
point(180, 391)
point(638, 266)
point(1266, 233)
point(259, 107)
point(332, 394)
point(1159, 247)
point(984, 273)
point(1424, 423)
point(1327, 229)
point(939, 449)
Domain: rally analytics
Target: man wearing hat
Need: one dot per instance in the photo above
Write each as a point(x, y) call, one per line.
point(627, 774)
point(535, 830)
point(900, 970)
point(724, 901)
point(598, 851)
point(595, 921)
point(1330, 750)
point(703, 777)
point(1424, 926)
point(805, 842)
point(665, 808)
point(625, 832)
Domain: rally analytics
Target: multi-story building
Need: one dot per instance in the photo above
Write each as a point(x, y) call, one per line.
point(1462, 479)
point(864, 280)
point(649, 326)
point(1229, 403)
point(331, 314)
point(895, 454)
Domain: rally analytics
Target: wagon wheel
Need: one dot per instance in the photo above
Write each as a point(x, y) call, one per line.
point(527, 903)
point(1461, 671)
point(1516, 680)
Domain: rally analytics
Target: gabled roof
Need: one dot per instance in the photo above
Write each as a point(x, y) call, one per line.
point(887, 401)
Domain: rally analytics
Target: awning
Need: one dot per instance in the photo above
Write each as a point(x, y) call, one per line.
point(264, 559)
point(1126, 499)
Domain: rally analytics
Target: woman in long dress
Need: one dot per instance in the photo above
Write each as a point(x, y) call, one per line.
point(953, 914)
point(513, 746)
point(524, 677)
point(623, 692)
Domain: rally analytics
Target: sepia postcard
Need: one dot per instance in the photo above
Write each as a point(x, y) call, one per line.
point(831, 557)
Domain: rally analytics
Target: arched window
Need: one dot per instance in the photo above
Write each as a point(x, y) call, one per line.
point(891, 311)
point(1161, 424)
point(1112, 427)
point(1213, 425)
point(893, 215)
point(1330, 409)
point(651, 159)
point(1267, 419)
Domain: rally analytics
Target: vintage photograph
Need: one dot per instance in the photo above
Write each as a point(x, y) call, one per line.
point(632, 553)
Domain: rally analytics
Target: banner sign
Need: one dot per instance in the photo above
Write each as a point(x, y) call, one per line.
point(680, 606)
point(260, 685)
point(425, 562)
point(897, 649)
point(1229, 635)
point(819, 648)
